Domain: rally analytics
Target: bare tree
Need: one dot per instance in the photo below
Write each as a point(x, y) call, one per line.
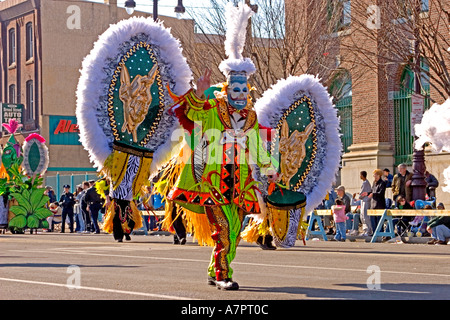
point(413, 33)
point(288, 38)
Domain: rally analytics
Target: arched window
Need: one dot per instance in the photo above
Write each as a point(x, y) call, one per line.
point(12, 94)
point(30, 100)
point(29, 41)
point(12, 46)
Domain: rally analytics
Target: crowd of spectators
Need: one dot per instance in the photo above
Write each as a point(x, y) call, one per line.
point(372, 195)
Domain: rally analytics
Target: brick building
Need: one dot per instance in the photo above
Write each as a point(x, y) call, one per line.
point(43, 44)
point(373, 88)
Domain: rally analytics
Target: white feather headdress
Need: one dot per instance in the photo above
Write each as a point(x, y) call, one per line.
point(236, 21)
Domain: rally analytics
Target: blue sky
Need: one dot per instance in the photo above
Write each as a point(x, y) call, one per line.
point(165, 7)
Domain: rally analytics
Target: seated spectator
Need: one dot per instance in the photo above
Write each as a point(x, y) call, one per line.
point(439, 228)
point(352, 224)
point(419, 224)
point(56, 217)
point(402, 222)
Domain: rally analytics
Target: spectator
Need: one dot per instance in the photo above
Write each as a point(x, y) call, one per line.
point(352, 224)
point(50, 193)
point(55, 217)
point(387, 177)
point(340, 218)
point(402, 222)
point(432, 184)
point(347, 203)
point(94, 203)
point(377, 197)
point(77, 210)
point(366, 190)
point(330, 198)
point(439, 228)
point(67, 201)
point(83, 206)
point(401, 184)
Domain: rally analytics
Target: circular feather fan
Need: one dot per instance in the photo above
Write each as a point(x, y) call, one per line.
point(122, 92)
point(307, 140)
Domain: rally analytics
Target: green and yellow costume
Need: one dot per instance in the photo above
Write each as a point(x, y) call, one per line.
point(223, 186)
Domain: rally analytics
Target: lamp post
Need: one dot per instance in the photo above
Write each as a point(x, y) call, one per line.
point(131, 4)
point(418, 183)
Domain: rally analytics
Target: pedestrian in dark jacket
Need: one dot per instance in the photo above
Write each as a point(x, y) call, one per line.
point(378, 200)
point(432, 184)
point(377, 197)
point(66, 202)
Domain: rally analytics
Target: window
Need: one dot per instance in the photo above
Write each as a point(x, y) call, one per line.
point(30, 100)
point(12, 46)
point(339, 14)
point(12, 95)
point(425, 5)
point(30, 41)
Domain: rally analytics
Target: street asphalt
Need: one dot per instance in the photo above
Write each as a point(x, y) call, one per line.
point(93, 266)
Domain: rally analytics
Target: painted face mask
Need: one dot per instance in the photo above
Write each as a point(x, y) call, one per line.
point(237, 90)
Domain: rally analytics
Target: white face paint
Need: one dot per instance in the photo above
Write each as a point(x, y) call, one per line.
point(237, 92)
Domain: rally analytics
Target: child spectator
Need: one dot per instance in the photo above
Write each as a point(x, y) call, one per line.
point(56, 217)
point(339, 218)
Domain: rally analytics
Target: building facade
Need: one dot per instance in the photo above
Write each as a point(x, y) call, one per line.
point(43, 45)
point(374, 90)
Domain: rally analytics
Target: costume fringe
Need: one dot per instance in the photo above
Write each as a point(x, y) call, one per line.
point(198, 225)
point(136, 216)
point(110, 212)
point(256, 229)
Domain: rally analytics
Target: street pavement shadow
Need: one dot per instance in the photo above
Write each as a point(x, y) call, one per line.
point(387, 291)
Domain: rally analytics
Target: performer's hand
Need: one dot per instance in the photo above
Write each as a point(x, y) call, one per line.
point(272, 175)
point(203, 83)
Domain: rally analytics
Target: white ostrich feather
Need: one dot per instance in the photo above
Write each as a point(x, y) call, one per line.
point(236, 22)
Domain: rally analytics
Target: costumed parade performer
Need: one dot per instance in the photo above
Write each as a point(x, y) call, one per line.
point(134, 93)
point(121, 110)
point(221, 184)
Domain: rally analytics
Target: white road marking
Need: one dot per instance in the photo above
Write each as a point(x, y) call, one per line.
point(144, 294)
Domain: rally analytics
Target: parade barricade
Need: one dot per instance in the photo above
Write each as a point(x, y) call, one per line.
point(387, 214)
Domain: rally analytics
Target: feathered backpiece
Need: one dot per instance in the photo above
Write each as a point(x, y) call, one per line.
point(122, 100)
point(236, 22)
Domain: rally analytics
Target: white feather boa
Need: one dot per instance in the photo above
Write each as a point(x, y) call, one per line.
point(283, 94)
point(96, 73)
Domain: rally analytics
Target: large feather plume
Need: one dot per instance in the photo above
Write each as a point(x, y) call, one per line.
point(236, 22)
point(435, 129)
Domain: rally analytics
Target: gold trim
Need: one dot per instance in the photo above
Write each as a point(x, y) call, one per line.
point(314, 135)
point(112, 85)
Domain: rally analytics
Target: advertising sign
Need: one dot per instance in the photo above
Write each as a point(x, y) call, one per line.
point(63, 130)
